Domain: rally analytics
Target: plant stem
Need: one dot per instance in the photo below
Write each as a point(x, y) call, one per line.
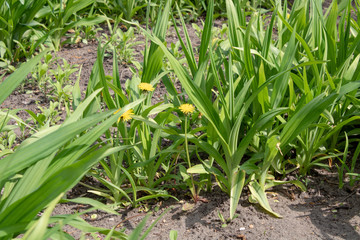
point(192, 188)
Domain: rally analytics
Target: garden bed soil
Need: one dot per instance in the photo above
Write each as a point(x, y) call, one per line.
point(323, 212)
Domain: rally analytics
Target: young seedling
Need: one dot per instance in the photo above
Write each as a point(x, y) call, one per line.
point(223, 220)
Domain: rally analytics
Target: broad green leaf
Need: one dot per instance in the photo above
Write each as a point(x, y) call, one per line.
point(259, 194)
point(237, 184)
point(198, 169)
point(74, 6)
point(90, 21)
point(79, 111)
point(37, 231)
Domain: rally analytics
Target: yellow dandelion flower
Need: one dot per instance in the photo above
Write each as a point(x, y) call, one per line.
point(287, 15)
point(187, 108)
point(146, 87)
point(126, 116)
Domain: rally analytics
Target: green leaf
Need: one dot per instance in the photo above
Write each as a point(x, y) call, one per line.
point(106, 94)
point(282, 82)
point(154, 56)
point(37, 231)
point(206, 34)
point(304, 117)
point(77, 222)
point(154, 223)
point(94, 203)
point(11, 82)
point(74, 6)
point(76, 92)
point(135, 234)
point(259, 194)
point(198, 169)
point(237, 185)
point(188, 48)
point(89, 21)
point(173, 235)
point(307, 50)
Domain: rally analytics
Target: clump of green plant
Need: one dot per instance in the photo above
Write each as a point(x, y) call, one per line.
point(61, 88)
point(143, 166)
point(64, 16)
point(53, 77)
point(7, 140)
point(31, 25)
point(123, 41)
point(82, 34)
point(16, 19)
point(41, 74)
point(128, 9)
point(12, 131)
point(47, 117)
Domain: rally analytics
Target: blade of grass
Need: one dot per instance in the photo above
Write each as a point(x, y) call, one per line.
point(11, 82)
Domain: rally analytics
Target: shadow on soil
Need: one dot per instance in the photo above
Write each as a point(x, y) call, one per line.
point(332, 210)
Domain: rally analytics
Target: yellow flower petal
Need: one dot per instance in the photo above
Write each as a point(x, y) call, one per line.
point(187, 108)
point(126, 116)
point(146, 87)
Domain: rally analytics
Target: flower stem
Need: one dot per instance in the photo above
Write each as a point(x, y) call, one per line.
point(192, 188)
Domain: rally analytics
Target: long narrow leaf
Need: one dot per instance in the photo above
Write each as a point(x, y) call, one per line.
point(11, 82)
